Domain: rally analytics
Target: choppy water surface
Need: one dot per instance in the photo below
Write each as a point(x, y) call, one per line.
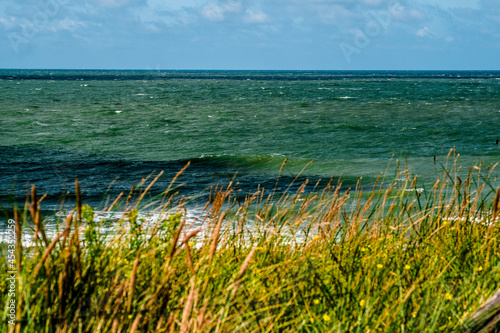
point(121, 126)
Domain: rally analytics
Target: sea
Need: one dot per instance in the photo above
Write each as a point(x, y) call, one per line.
point(114, 129)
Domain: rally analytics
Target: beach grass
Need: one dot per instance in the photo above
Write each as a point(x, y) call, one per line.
point(391, 258)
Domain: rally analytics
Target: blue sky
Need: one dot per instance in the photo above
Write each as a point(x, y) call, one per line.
point(250, 34)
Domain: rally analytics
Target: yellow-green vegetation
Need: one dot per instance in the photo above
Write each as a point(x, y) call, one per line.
point(395, 260)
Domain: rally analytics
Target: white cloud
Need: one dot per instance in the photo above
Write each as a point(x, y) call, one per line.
point(154, 17)
point(255, 16)
point(425, 32)
point(152, 27)
point(70, 25)
point(8, 23)
point(402, 13)
point(217, 11)
point(232, 7)
point(336, 13)
point(213, 12)
point(278, 25)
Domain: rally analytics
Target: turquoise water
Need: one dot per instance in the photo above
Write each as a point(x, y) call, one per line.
point(102, 126)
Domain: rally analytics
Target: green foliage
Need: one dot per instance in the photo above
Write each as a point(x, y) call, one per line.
point(391, 260)
point(171, 223)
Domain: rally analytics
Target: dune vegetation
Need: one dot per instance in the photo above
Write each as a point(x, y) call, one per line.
point(391, 258)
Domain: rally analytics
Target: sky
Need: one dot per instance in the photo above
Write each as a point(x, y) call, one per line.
point(251, 34)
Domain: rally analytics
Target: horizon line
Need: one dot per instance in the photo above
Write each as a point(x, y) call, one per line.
point(257, 70)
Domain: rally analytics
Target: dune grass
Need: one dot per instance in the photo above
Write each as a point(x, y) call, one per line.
point(391, 259)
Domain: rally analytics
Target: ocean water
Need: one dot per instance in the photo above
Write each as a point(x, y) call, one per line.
point(110, 129)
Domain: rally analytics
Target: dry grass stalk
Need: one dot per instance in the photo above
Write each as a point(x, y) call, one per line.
point(215, 237)
point(135, 325)
point(48, 250)
point(132, 280)
point(187, 307)
point(177, 176)
point(148, 188)
point(176, 239)
point(242, 271)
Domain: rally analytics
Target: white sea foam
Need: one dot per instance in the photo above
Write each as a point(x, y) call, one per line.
point(418, 190)
point(55, 225)
point(112, 222)
point(484, 219)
